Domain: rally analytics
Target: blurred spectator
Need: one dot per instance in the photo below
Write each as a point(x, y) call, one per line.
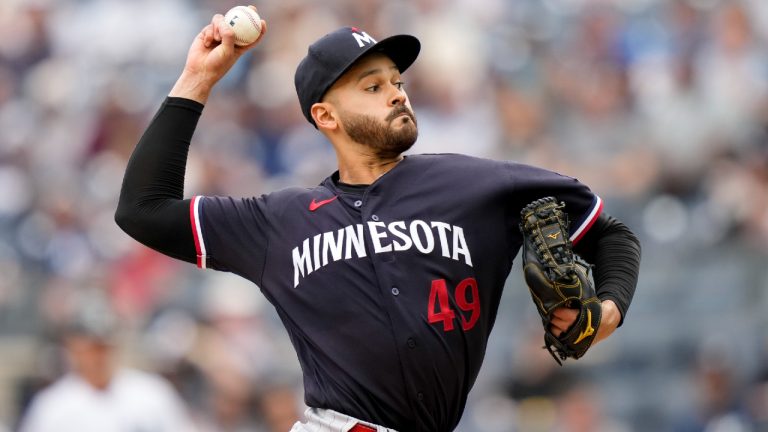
point(757, 404)
point(551, 398)
point(98, 394)
point(719, 402)
point(280, 406)
point(580, 409)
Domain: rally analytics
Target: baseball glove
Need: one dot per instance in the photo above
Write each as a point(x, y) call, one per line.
point(557, 277)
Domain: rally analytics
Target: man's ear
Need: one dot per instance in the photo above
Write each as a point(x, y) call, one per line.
point(324, 116)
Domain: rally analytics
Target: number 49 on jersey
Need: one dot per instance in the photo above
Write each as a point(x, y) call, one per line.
point(465, 297)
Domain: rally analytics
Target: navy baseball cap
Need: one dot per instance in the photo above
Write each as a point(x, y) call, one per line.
point(333, 54)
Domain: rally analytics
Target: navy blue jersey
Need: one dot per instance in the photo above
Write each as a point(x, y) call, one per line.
point(389, 295)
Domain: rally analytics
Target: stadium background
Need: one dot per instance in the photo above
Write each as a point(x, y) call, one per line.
point(660, 106)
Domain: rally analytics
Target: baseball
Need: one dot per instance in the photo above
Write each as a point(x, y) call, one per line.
point(245, 22)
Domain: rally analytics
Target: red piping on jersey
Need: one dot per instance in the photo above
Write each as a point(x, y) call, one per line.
point(591, 221)
point(193, 222)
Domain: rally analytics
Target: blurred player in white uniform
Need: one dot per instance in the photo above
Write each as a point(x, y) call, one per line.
point(98, 395)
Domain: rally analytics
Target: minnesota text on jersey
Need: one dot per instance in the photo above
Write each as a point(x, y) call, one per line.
point(348, 243)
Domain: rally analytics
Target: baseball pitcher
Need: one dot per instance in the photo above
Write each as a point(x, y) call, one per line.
point(387, 275)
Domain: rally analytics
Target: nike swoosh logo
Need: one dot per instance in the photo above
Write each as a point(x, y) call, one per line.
point(314, 205)
point(589, 331)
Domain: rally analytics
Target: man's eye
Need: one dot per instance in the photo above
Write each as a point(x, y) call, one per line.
point(373, 88)
point(400, 85)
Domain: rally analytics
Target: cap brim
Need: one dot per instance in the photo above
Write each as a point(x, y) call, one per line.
point(402, 49)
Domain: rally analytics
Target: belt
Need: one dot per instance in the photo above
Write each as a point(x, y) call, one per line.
point(362, 428)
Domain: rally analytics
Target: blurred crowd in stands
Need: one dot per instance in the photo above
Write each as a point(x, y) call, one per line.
point(661, 106)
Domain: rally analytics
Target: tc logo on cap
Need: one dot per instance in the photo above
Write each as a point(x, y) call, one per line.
point(362, 37)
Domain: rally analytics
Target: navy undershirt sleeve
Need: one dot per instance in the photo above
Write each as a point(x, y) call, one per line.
point(151, 208)
point(615, 252)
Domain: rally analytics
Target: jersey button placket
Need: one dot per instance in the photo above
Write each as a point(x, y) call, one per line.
point(358, 203)
point(395, 291)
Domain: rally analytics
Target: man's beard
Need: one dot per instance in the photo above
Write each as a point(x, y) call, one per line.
point(383, 139)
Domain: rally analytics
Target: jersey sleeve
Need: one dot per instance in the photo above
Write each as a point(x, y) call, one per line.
point(529, 183)
point(231, 234)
